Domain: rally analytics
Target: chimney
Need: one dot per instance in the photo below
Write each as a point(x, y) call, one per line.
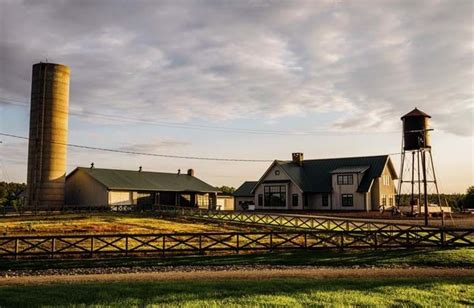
point(92, 165)
point(191, 172)
point(297, 158)
point(140, 169)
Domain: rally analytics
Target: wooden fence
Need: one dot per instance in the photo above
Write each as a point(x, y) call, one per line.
point(67, 246)
point(304, 222)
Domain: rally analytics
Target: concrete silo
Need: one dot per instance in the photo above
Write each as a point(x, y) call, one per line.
point(48, 136)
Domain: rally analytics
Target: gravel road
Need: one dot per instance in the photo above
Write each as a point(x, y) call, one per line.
point(221, 272)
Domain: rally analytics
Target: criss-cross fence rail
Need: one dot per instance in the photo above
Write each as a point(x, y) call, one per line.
point(67, 246)
point(309, 222)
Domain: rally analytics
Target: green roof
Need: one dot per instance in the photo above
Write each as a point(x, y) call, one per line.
point(315, 175)
point(245, 190)
point(146, 181)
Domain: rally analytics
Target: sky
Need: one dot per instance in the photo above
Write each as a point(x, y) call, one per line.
point(243, 79)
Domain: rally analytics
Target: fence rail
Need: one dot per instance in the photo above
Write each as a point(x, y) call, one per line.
point(233, 242)
point(309, 222)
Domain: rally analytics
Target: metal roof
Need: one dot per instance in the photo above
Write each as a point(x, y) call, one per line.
point(245, 190)
point(315, 175)
point(355, 169)
point(115, 179)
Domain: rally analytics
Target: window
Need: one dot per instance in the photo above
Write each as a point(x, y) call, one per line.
point(390, 201)
point(325, 200)
point(202, 200)
point(274, 196)
point(347, 200)
point(277, 172)
point(294, 200)
point(384, 200)
point(260, 200)
point(386, 180)
point(346, 179)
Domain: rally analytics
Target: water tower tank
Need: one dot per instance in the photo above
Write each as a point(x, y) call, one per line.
point(415, 130)
point(48, 135)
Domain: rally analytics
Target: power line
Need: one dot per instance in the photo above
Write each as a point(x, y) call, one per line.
point(145, 154)
point(220, 129)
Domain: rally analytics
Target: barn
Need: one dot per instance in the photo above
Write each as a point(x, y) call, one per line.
point(112, 187)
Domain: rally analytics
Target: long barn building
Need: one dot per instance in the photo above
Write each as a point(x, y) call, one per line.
point(101, 187)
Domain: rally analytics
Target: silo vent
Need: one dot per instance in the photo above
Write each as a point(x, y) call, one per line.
point(191, 172)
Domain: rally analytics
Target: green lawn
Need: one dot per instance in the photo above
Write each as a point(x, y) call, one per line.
point(275, 292)
point(461, 257)
point(91, 223)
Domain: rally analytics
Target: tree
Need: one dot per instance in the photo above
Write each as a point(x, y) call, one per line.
point(469, 198)
point(226, 189)
point(10, 194)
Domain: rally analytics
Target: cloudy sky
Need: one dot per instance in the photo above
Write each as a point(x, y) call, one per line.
point(243, 79)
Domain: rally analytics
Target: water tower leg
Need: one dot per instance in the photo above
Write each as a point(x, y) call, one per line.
point(412, 199)
point(437, 189)
point(419, 183)
point(425, 186)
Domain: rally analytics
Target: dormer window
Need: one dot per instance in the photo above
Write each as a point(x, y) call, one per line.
point(345, 179)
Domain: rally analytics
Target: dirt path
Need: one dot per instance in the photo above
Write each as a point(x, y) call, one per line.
point(245, 274)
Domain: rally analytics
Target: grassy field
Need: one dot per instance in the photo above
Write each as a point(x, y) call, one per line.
point(292, 292)
point(102, 223)
point(462, 257)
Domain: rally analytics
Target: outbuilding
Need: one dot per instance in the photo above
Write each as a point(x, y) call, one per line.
point(112, 187)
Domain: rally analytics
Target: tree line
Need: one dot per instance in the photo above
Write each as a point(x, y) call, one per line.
point(11, 196)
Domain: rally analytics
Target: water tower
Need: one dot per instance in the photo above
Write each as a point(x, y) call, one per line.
point(48, 136)
point(417, 167)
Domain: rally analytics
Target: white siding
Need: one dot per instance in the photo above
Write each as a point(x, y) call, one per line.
point(276, 173)
point(120, 197)
point(339, 190)
point(239, 200)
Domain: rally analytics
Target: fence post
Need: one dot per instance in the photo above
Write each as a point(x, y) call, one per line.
point(164, 244)
point(53, 247)
point(200, 244)
point(126, 245)
point(271, 240)
point(443, 237)
point(306, 240)
point(92, 246)
point(238, 243)
point(342, 240)
point(16, 248)
point(375, 240)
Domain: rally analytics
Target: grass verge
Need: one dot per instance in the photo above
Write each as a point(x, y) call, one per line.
point(270, 292)
point(461, 257)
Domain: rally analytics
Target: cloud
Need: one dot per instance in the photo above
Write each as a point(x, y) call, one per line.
point(154, 146)
point(369, 62)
